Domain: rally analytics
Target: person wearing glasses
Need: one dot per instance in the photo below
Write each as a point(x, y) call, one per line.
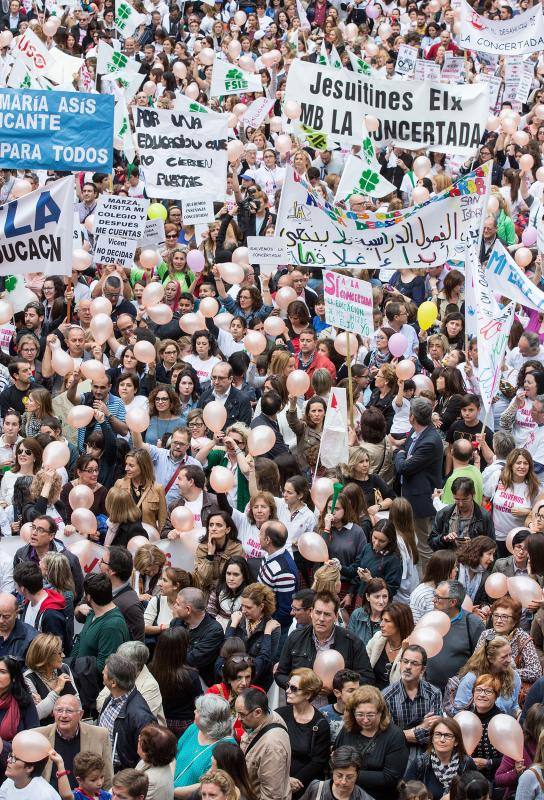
point(236, 404)
point(445, 758)
point(309, 731)
point(505, 621)
point(413, 702)
point(167, 461)
point(229, 450)
point(169, 354)
point(28, 460)
point(87, 469)
point(487, 690)
point(238, 673)
point(24, 779)
point(164, 408)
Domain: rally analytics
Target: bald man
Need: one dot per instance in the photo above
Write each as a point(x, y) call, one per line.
point(15, 635)
point(462, 456)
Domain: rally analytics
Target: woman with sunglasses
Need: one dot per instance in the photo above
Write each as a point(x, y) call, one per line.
point(230, 450)
point(28, 460)
point(238, 674)
point(164, 408)
point(309, 731)
point(17, 708)
point(169, 355)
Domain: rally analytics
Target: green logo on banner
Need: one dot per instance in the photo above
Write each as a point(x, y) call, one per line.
point(368, 181)
point(315, 139)
point(234, 79)
point(368, 149)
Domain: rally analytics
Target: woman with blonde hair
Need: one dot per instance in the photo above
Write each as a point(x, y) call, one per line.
point(223, 783)
point(301, 162)
point(368, 728)
point(254, 625)
point(174, 267)
point(148, 563)
point(38, 406)
point(378, 495)
point(139, 483)
point(47, 676)
point(402, 517)
point(124, 518)
point(494, 658)
point(57, 575)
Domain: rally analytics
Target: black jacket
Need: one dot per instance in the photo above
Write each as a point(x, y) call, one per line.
point(134, 715)
point(128, 603)
point(481, 524)
point(204, 645)
point(23, 554)
point(18, 642)
point(237, 406)
point(299, 651)
point(421, 471)
point(421, 770)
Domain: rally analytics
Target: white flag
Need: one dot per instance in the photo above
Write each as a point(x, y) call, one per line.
point(20, 77)
point(122, 134)
point(334, 448)
point(362, 176)
point(323, 57)
point(358, 65)
point(303, 17)
point(506, 279)
point(127, 19)
point(229, 79)
point(335, 59)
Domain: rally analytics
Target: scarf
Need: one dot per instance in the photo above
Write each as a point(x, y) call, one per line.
point(11, 719)
point(471, 579)
point(445, 773)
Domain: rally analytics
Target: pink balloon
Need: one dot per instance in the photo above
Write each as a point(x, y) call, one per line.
point(540, 173)
point(192, 322)
point(25, 532)
point(80, 416)
point(93, 370)
point(526, 162)
point(87, 552)
point(467, 604)
point(429, 639)
point(422, 382)
point(471, 728)
point(149, 88)
point(276, 124)
point(101, 328)
point(84, 521)
point(521, 138)
point(292, 109)
point(523, 589)
point(298, 383)
point(240, 109)
point(49, 28)
point(284, 296)
point(351, 30)
point(234, 49)
point(89, 223)
point(62, 362)
point(215, 416)
point(371, 48)
point(240, 18)
point(192, 91)
point(274, 326)
point(137, 420)
point(180, 70)
point(523, 257)
point(30, 746)
point(145, 351)
point(195, 260)
point(81, 259)
point(223, 320)
point(149, 258)
point(20, 188)
point(327, 663)
point(437, 620)
point(373, 12)
point(506, 736)
point(493, 123)
point(529, 236)
point(372, 123)
point(56, 454)
point(206, 56)
point(161, 313)
point(496, 585)
point(322, 489)
point(509, 125)
point(154, 535)
point(284, 143)
point(231, 273)
point(246, 63)
point(182, 518)
point(235, 150)
point(6, 311)
point(152, 294)
point(208, 307)
point(261, 440)
point(221, 479)
point(135, 543)
point(492, 205)
point(101, 305)
point(341, 344)
point(6, 38)
point(398, 344)
point(405, 369)
point(510, 537)
point(420, 195)
point(422, 166)
point(255, 342)
point(268, 60)
point(81, 497)
point(313, 547)
point(241, 256)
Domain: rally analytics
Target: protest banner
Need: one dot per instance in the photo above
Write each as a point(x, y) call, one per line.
point(453, 69)
point(32, 51)
point(406, 60)
point(257, 111)
point(36, 231)
point(318, 233)
point(267, 250)
point(181, 152)
point(197, 210)
point(525, 83)
point(334, 445)
point(522, 34)
point(228, 79)
point(56, 130)
point(414, 114)
point(113, 251)
point(127, 19)
point(492, 328)
point(121, 217)
point(180, 553)
point(506, 279)
point(348, 303)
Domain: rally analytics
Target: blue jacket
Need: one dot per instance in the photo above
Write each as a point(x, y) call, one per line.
point(18, 641)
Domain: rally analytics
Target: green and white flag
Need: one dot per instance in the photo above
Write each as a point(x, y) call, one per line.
point(182, 103)
point(360, 177)
point(125, 82)
point(228, 79)
point(122, 135)
point(334, 60)
point(358, 65)
point(323, 57)
point(21, 78)
point(127, 19)
point(109, 60)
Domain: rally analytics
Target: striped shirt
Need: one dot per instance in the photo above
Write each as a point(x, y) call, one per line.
point(279, 572)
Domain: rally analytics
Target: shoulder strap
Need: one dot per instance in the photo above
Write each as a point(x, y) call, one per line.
point(538, 776)
point(173, 478)
point(261, 733)
point(158, 599)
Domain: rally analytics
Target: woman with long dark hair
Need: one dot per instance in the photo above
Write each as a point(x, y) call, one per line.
point(226, 596)
point(379, 559)
point(87, 469)
point(218, 545)
point(230, 758)
point(17, 708)
point(180, 684)
point(449, 389)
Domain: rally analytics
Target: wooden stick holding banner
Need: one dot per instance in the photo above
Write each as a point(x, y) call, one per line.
point(350, 384)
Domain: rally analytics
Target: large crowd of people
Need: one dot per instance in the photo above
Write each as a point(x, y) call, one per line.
point(159, 624)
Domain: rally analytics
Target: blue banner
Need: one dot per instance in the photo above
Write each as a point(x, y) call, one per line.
point(56, 130)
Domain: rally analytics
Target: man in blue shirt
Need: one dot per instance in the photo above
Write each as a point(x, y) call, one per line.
point(100, 399)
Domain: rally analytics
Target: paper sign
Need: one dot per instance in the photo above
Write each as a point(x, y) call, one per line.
point(197, 210)
point(348, 303)
point(112, 251)
point(406, 60)
point(153, 232)
point(522, 34)
point(267, 250)
point(120, 217)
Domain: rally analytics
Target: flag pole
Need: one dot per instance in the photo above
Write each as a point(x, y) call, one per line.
point(350, 384)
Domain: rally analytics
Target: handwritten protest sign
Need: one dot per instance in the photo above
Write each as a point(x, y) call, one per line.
point(197, 210)
point(121, 217)
point(228, 79)
point(113, 251)
point(413, 114)
point(36, 231)
point(319, 233)
point(257, 111)
point(55, 130)
point(181, 152)
point(522, 34)
point(348, 303)
point(506, 279)
point(153, 232)
point(406, 60)
point(267, 250)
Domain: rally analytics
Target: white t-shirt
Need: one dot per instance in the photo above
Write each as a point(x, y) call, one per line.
point(32, 612)
point(38, 787)
point(196, 507)
point(248, 534)
point(401, 423)
point(203, 368)
point(524, 423)
point(504, 501)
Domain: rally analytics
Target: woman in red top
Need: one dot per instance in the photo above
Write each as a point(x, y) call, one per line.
point(238, 674)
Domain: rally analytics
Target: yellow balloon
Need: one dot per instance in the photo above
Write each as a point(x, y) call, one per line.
point(427, 314)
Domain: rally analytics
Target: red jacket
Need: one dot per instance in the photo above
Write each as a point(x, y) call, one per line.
point(319, 361)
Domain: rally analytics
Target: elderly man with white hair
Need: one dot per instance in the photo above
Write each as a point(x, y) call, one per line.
point(138, 653)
